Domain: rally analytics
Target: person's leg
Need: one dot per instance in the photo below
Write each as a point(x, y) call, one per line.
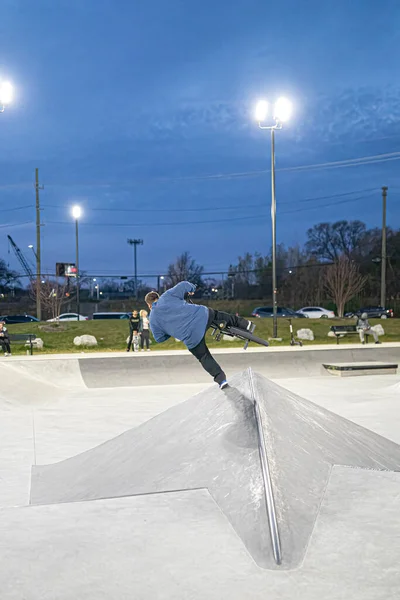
point(230, 320)
point(362, 336)
point(142, 340)
point(374, 334)
point(130, 340)
point(8, 347)
point(147, 338)
point(207, 361)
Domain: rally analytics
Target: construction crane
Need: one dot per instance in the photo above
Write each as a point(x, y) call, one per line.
point(21, 258)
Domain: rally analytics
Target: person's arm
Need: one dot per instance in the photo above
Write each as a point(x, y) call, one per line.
point(159, 335)
point(180, 289)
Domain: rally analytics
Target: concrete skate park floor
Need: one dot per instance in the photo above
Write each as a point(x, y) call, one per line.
point(180, 545)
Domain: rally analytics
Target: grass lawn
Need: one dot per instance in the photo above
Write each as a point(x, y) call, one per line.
point(111, 335)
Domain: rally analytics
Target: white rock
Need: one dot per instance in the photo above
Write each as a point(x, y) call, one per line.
point(36, 344)
point(379, 329)
point(85, 340)
point(305, 334)
point(331, 334)
point(228, 338)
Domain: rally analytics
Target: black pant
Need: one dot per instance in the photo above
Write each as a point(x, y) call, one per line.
point(5, 346)
point(145, 337)
point(202, 353)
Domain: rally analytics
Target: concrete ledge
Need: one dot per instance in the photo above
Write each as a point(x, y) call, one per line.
point(361, 368)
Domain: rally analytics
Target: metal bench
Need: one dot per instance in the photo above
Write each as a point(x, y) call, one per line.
point(343, 330)
point(23, 338)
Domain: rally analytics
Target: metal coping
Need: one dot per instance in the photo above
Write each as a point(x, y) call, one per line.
point(268, 491)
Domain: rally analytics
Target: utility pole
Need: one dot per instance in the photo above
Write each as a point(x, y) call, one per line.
point(38, 250)
point(273, 219)
point(135, 243)
point(383, 257)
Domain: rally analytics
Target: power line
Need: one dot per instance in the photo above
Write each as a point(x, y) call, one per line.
point(9, 225)
point(367, 191)
point(359, 161)
point(212, 208)
point(17, 208)
point(286, 212)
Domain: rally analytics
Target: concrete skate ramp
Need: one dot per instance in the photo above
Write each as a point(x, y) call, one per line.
point(18, 389)
point(96, 549)
point(52, 370)
point(142, 370)
point(210, 441)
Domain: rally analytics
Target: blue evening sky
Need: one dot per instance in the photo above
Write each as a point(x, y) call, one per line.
point(142, 113)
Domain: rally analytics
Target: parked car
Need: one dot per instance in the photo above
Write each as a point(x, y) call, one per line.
point(68, 317)
point(12, 319)
point(110, 315)
point(373, 312)
point(317, 312)
point(267, 311)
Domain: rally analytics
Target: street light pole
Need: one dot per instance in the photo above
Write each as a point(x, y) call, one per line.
point(135, 243)
point(273, 221)
point(38, 252)
point(282, 112)
point(78, 307)
point(76, 213)
point(383, 262)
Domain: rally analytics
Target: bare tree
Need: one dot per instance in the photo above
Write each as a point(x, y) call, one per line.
point(184, 268)
point(303, 286)
point(343, 281)
point(52, 295)
point(329, 241)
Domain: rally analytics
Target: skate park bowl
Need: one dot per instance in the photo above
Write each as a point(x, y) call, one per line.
point(136, 477)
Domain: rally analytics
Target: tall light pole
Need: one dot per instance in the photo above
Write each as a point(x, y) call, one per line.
point(383, 262)
point(6, 94)
point(281, 113)
point(77, 213)
point(135, 243)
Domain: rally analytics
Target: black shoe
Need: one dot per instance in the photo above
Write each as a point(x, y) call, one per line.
point(378, 342)
point(244, 324)
point(127, 349)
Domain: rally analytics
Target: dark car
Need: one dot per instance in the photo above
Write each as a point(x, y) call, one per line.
point(373, 312)
point(267, 311)
point(12, 319)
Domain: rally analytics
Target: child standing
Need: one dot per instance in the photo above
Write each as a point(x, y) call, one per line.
point(145, 330)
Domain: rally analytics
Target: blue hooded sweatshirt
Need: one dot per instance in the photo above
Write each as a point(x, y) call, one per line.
point(172, 316)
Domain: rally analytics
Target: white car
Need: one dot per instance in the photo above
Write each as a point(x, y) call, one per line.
point(317, 312)
point(68, 317)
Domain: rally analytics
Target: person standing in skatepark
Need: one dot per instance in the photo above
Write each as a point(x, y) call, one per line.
point(134, 329)
point(145, 332)
point(4, 340)
point(172, 316)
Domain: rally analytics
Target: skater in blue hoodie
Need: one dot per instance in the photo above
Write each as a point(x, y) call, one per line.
point(172, 316)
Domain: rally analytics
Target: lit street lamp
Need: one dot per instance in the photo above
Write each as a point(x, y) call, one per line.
point(77, 213)
point(6, 94)
point(160, 278)
point(33, 250)
point(281, 113)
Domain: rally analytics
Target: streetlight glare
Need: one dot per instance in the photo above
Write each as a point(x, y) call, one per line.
point(76, 212)
point(282, 110)
point(261, 111)
point(6, 93)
